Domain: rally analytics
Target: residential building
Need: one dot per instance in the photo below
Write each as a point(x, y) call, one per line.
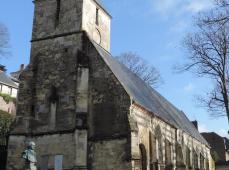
point(8, 92)
point(219, 149)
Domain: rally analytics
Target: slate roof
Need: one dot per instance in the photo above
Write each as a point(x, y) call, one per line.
point(149, 98)
point(4, 79)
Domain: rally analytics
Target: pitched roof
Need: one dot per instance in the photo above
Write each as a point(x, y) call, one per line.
point(4, 79)
point(149, 98)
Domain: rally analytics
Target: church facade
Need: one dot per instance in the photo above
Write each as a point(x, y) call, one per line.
point(86, 111)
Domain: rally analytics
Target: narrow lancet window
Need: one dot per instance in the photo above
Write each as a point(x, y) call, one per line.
point(97, 16)
point(58, 6)
point(53, 106)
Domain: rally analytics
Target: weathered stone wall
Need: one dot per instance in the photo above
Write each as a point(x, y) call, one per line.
point(53, 65)
point(99, 32)
point(49, 20)
point(109, 103)
point(87, 96)
point(109, 155)
point(164, 144)
point(47, 148)
point(108, 127)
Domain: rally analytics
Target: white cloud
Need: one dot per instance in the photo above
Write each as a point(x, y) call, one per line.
point(223, 133)
point(199, 5)
point(178, 7)
point(189, 87)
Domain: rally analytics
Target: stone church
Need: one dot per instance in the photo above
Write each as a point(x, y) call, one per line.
point(86, 111)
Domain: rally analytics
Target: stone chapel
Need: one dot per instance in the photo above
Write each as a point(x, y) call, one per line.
point(85, 110)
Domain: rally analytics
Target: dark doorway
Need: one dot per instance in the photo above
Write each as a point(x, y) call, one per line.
point(143, 157)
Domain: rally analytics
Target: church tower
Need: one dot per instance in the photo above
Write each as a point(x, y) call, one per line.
point(57, 103)
point(86, 111)
point(60, 18)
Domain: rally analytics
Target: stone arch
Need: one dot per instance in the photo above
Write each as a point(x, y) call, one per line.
point(195, 160)
point(152, 147)
point(179, 157)
point(159, 144)
point(206, 164)
point(188, 157)
point(168, 155)
point(143, 157)
point(202, 161)
point(153, 152)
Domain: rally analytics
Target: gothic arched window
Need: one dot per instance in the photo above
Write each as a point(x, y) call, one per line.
point(206, 164)
point(168, 155)
point(201, 161)
point(195, 160)
point(188, 157)
point(159, 144)
point(179, 156)
point(143, 157)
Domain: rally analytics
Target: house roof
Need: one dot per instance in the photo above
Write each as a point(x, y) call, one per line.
point(149, 98)
point(4, 79)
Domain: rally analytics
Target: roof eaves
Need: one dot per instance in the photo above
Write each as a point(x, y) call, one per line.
point(14, 86)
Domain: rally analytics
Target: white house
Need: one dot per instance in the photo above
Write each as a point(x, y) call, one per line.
point(7, 87)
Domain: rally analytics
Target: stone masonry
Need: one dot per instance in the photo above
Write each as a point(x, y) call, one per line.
point(75, 108)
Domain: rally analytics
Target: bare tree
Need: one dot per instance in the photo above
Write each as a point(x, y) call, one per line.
point(219, 15)
point(208, 56)
point(141, 68)
point(4, 40)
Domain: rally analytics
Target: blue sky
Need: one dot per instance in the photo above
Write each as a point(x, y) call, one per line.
point(152, 28)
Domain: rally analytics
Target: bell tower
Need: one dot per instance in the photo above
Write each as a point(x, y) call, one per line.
point(62, 17)
point(53, 100)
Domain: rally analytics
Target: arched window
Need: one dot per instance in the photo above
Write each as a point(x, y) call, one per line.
point(168, 155)
point(159, 144)
point(201, 162)
point(188, 158)
point(168, 152)
point(152, 147)
point(195, 160)
point(143, 157)
point(206, 164)
point(179, 156)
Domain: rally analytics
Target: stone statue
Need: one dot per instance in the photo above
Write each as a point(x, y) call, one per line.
point(29, 155)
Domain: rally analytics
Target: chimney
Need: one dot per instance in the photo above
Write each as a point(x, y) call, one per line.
point(2, 68)
point(195, 123)
point(22, 67)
